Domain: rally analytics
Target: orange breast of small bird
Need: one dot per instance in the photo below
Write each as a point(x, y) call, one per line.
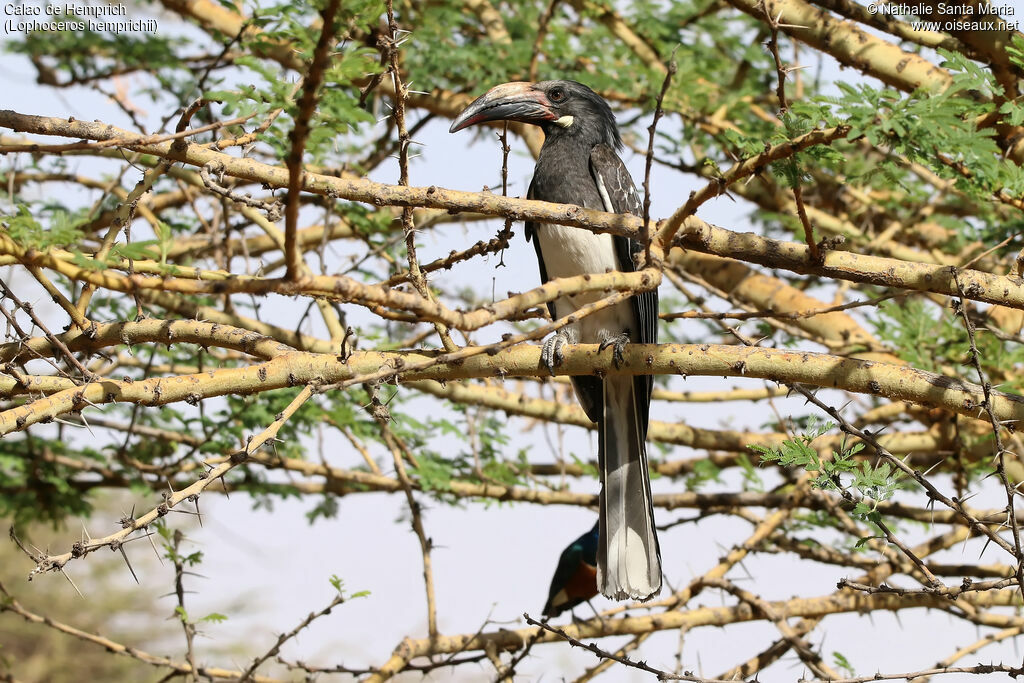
point(583, 584)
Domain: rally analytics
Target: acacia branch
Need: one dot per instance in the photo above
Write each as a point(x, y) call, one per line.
point(297, 368)
point(131, 525)
point(854, 267)
point(851, 45)
point(837, 603)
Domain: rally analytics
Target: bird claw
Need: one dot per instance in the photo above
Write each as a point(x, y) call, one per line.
point(597, 615)
point(618, 344)
point(551, 352)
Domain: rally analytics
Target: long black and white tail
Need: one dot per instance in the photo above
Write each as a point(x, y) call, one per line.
point(628, 556)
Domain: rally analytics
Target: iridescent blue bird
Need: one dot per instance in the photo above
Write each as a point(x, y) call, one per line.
point(575, 578)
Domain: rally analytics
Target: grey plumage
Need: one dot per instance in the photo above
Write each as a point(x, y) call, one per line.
point(578, 165)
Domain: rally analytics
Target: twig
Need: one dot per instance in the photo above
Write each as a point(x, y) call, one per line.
point(538, 41)
point(52, 338)
point(285, 637)
point(803, 649)
point(781, 315)
point(380, 414)
point(670, 71)
point(390, 47)
point(505, 234)
point(128, 142)
point(300, 133)
point(341, 669)
point(187, 625)
point(272, 205)
point(986, 387)
point(978, 669)
point(130, 526)
point(621, 659)
point(780, 92)
point(510, 671)
point(951, 592)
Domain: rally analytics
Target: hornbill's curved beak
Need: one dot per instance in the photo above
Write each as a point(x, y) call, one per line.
point(517, 101)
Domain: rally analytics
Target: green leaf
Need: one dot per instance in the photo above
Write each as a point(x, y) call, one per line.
point(214, 618)
point(165, 239)
point(841, 662)
point(144, 250)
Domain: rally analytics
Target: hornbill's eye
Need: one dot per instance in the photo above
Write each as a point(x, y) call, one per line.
point(557, 95)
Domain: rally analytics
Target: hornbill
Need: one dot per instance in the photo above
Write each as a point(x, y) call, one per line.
point(578, 164)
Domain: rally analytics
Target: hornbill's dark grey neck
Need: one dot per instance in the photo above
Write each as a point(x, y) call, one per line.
point(562, 173)
point(570, 144)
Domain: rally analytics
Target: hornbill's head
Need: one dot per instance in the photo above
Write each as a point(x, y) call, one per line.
point(560, 108)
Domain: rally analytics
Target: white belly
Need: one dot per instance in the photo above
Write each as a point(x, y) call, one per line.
point(572, 251)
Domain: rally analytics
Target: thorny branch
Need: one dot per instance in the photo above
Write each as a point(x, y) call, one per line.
point(300, 133)
point(974, 356)
point(419, 281)
point(400, 453)
point(249, 673)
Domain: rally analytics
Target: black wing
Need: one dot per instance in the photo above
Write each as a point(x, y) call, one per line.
point(589, 389)
point(531, 233)
point(620, 196)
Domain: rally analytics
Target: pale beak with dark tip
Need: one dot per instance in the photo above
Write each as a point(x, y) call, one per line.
point(518, 101)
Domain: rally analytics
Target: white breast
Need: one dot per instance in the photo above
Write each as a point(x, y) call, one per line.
point(572, 251)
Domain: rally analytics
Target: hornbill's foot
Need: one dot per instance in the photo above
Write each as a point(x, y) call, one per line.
point(618, 343)
point(551, 352)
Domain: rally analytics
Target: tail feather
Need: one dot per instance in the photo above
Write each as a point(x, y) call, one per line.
point(628, 556)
